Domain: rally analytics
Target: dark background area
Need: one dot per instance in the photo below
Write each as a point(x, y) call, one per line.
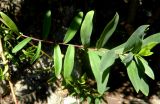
point(133, 13)
point(29, 14)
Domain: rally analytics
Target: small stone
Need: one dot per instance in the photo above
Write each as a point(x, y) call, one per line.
point(154, 100)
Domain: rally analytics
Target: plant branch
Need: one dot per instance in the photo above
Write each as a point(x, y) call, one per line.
point(12, 90)
point(35, 39)
point(50, 42)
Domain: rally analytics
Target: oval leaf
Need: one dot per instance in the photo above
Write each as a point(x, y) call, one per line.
point(94, 60)
point(153, 38)
point(69, 62)
point(57, 60)
point(144, 87)
point(107, 60)
point(133, 75)
point(86, 28)
point(134, 43)
point(108, 31)
point(103, 85)
point(97, 101)
point(146, 50)
point(37, 54)
point(21, 45)
point(89, 100)
point(128, 58)
point(147, 70)
point(73, 28)
point(46, 24)
point(9, 23)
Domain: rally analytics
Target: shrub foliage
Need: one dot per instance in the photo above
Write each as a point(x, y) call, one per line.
point(99, 59)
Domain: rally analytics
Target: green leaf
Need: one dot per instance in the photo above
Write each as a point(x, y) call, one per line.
point(21, 45)
point(37, 54)
point(86, 28)
point(69, 62)
point(133, 75)
point(153, 38)
point(101, 51)
point(57, 60)
point(108, 31)
point(81, 99)
point(97, 101)
point(2, 76)
point(83, 79)
point(144, 64)
point(134, 43)
point(73, 28)
point(128, 58)
point(107, 60)
point(144, 87)
point(46, 24)
point(146, 50)
point(8, 22)
point(89, 100)
point(103, 85)
point(94, 60)
point(98, 74)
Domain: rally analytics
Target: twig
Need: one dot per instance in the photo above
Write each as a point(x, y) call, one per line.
point(35, 39)
point(50, 42)
point(12, 90)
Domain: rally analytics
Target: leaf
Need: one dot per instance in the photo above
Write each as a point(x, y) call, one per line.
point(21, 45)
point(86, 28)
point(83, 79)
point(144, 64)
point(37, 54)
point(94, 60)
point(8, 22)
point(81, 99)
point(97, 101)
point(134, 43)
point(69, 62)
point(57, 60)
point(101, 51)
point(73, 28)
point(128, 58)
point(2, 76)
point(133, 75)
point(89, 100)
point(103, 85)
point(144, 87)
point(46, 24)
point(107, 60)
point(153, 38)
point(108, 31)
point(146, 50)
